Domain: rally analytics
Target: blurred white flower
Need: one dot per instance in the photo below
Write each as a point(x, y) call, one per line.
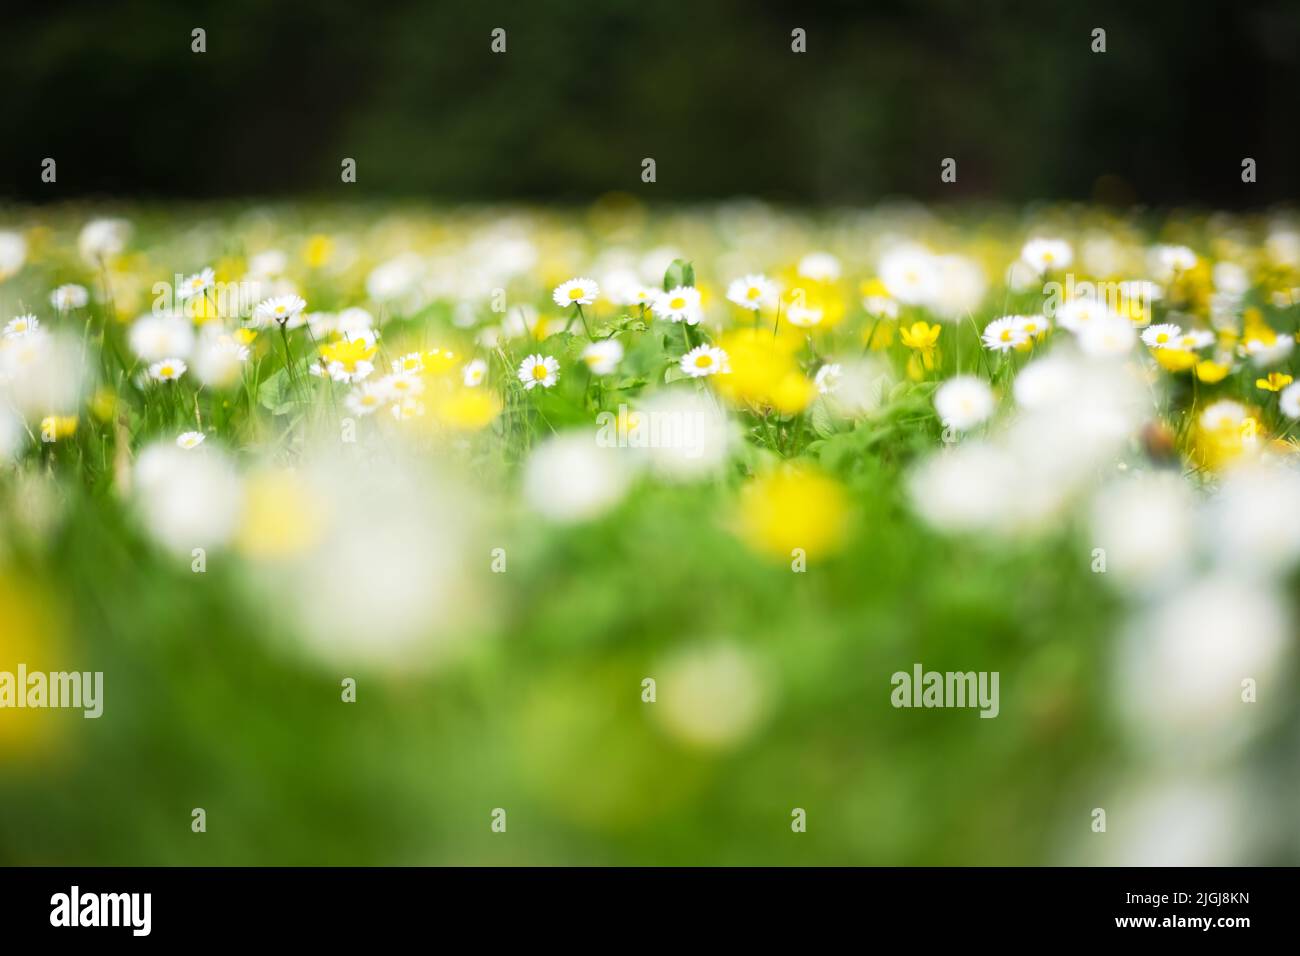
point(711, 696)
point(682, 434)
point(156, 337)
point(1046, 255)
point(219, 359)
point(1184, 661)
point(819, 267)
point(101, 239)
point(569, 478)
point(910, 274)
point(1145, 525)
point(1109, 337)
point(963, 402)
point(13, 253)
point(68, 297)
point(186, 499)
point(1168, 261)
point(1253, 521)
point(602, 357)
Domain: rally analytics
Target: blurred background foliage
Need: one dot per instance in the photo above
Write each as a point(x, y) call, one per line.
point(711, 91)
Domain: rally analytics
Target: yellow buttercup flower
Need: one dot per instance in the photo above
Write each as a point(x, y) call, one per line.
point(348, 352)
point(920, 336)
point(1275, 382)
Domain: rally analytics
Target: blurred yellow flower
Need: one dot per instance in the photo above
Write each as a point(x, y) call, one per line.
point(317, 251)
point(793, 508)
point(1210, 372)
point(1175, 360)
point(281, 516)
point(1275, 382)
point(54, 427)
point(764, 372)
point(468, 409)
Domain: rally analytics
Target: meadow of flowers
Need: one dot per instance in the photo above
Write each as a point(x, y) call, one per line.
point(621, 520)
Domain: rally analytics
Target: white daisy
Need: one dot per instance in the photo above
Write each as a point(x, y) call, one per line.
point(1004, 334)
point(704, 360)
point(828, 378)
point(188, 440)
point(196, 284)
point(1221, 414)
point(575, 292)
point(963, 402)
point(752, 292)
point(410, 362)
point(681, 304)
point(1044, 255)
point(1289, 400)
point(168, 370)
point(21, 325)
point(603, 357)
point(473, 373)
point(540, 370)
point(401, 385)
point(68, 297)
point(339, 372)
point(281, 308)
point(1164, 336)
point(365, 399)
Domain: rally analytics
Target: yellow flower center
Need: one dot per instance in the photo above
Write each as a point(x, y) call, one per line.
point(575, 294)
point(540, 371)
point(753, 293)
point(703, 361)
point(677, 302)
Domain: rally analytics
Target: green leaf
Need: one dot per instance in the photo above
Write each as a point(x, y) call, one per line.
point(822, 422)
point(674, 373)
point(679, 273)
point(275, 395)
